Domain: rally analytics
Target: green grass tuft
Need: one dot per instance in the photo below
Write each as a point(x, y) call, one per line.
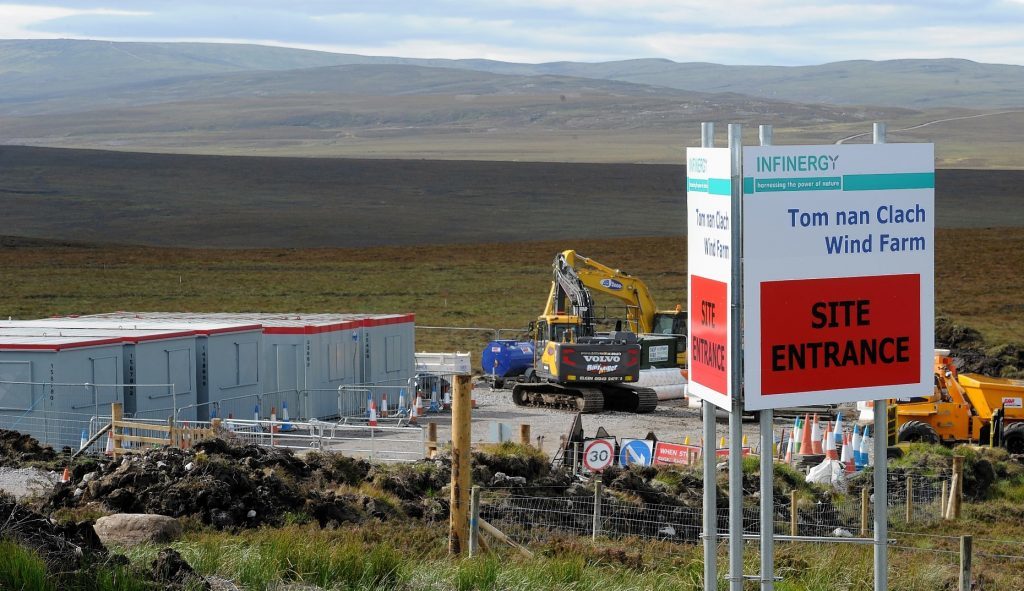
point(22, 569)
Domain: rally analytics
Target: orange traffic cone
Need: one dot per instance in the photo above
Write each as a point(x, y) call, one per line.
point(830, 447)
point(373, 414)
point(816, 437)
point(789, 448)
point(274, 427)
point(109, 451)
point(66, 476)
point(848, 454)
point(414, 410)
point(384, 405)
point(806, 448)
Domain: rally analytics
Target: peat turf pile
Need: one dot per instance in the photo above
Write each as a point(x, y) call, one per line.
point(233, 486)
point(973, 355)
point(226, 486)
point(18, 449)
point(75, 558)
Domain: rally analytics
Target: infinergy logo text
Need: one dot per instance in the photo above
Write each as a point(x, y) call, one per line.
point(797, 163)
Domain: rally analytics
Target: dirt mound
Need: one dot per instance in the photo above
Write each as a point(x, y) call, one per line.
point(230, 486)
point(973, 355)
point(17, 449)
point(171, 569)
point(64, 544)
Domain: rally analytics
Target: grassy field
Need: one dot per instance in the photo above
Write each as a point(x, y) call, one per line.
point(403, 553)
point(491, 285)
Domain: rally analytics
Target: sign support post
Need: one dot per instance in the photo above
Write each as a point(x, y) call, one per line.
point(767, 467)
point(881, 470)
point(736, 413)
point(707, 140)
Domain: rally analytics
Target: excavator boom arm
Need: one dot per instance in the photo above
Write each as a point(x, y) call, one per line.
point(640, 306)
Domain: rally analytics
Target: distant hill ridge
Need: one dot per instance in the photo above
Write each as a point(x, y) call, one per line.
point(34, 70)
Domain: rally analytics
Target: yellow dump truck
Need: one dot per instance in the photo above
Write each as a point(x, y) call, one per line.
point(965, 408)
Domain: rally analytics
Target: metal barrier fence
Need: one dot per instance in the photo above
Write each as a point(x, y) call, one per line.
point(389, 441)
point(59, 413)
point(345, 401)
point(83, 408)
point(528, 517)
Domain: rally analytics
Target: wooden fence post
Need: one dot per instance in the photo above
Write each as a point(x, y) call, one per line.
point(865, 502)
point(172, 433)
point(956, 489)
point(116, 416)
point(598, 488)
point(432, 439)
point(458, 531)
point(792, 513)
point(965, 563)
point(944, 498)
point(910, 499)
point(474, 521)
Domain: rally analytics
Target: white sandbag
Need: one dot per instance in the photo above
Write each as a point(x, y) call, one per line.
point(828, 472)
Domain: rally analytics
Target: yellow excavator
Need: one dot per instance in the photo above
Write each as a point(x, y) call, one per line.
point(656, 327)
point(578, 368)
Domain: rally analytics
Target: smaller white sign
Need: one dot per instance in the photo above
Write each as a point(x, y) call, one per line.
point(710, 258)
point(598, 454)
point(658, 353)
point(1013, 402)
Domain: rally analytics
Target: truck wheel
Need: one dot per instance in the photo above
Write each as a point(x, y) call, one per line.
point(917, 432)
point(1013, 438)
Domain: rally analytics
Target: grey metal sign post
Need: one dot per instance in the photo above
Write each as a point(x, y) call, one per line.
point(736, 414)
point(767, 467)
point(881, 468)
point(707, 140)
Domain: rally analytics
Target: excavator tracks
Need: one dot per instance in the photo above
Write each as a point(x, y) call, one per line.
point(630, 398)
point(618, 397)
point(584, 400)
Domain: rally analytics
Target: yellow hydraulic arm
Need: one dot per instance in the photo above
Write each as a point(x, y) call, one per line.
point(640, 306)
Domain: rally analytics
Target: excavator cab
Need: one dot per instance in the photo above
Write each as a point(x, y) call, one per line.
point(560, 329)
point(671, 323)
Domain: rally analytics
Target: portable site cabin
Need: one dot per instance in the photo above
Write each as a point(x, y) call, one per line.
point(43, 379)
point(389, 349)
point(195, 364)
point(306, 357)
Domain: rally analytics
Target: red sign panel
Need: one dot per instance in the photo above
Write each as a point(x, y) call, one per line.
point(850, 332)
point(676, 453)
point(724, 452)
point(709, 332)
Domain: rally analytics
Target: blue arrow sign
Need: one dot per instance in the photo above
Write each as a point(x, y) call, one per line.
point(636, 451)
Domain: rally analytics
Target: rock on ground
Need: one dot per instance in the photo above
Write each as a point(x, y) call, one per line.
point(130, 529)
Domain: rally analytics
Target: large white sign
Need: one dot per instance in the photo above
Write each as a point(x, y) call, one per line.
point(709, 261)
point(838, 279)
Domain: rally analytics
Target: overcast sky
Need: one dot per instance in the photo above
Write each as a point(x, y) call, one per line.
point(776, 32)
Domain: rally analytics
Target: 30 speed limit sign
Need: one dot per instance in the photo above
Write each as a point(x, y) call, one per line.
point(598, 454)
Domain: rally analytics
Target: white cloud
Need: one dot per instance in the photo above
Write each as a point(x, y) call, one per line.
point(16, 20)
point(783, 32)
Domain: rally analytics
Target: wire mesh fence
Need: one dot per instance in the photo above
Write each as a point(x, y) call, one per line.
point(534, 515)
